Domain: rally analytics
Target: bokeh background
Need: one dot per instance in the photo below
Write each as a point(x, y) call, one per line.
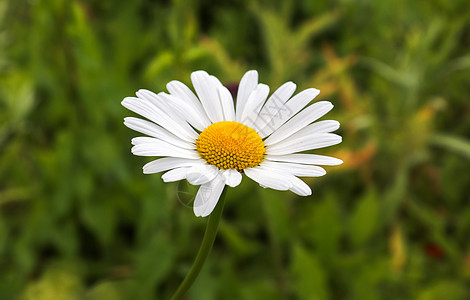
point(79, 220)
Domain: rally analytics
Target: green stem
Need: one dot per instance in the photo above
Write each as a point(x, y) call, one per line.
point(206, 246)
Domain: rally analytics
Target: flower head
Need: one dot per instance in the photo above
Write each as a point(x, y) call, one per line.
point(211, 142)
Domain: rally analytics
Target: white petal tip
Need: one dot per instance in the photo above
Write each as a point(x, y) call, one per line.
point(303, 193)
point(232, 185)
point(232, 178)
point(315, 91)
point(252, 72)
point(202, 211)
point(146, 171)
point(198, 73)
point(125, 101)
point(135, 141)
point(301, 188)
point(200, 214)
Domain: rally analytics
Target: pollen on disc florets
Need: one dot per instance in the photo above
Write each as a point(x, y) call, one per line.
point(231, 145)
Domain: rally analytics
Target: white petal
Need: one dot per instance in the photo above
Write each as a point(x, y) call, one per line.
point(311, 131)
point(172, 123)
point(201, 174)
point(278, 180)
point(186, 111)
point(254, 104)
point(180, 90)
point(299, 145)
point(162, 101)
point(227, 103)
point(232, 177)
point(207, 197)
point(206, 87)
point(268, 178)
point(174, 175)
point(300, 187)
point(289, 109)
point(302, 99)
point(168, 163)
point(294, 169)
point(324, 126)
point(272, 107)
point(310, 159)
point(301, 120)
point(147, 146)
point(248, 83)
point(151, 97)
point(152, 129)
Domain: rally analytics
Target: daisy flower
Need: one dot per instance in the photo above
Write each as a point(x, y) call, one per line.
point(208, 140)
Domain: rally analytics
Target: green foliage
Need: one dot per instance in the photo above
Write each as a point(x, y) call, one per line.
point(309, 279)
point(79, 220)
point(322, 227)
point(364, 220)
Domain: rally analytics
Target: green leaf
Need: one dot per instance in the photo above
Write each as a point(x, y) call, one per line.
point(161, 62)
point(58, 282)
point(453, 143)
point(109, 290)
point(3, 236)
point(449, 290)
point(99, 218)
point(309, 278)
point(154, 261)
point(277, 213)
point(363, 221)
point(367, 277)
point(322, 225)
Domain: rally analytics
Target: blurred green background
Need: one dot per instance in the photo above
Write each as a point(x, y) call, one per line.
point(79, 220)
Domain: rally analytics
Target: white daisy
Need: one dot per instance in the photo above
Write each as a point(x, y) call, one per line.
point(211, 142)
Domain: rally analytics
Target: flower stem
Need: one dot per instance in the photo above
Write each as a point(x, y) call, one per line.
point(206, 246)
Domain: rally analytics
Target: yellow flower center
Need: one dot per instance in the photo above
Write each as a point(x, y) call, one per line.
point(231, 145)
